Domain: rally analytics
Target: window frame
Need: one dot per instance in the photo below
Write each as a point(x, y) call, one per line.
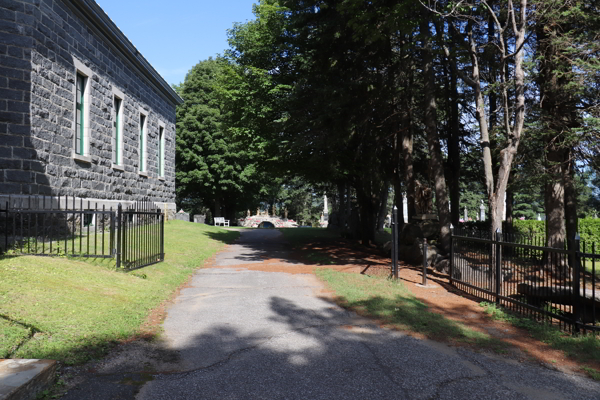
point(81, 152)
point(117, 129)
point(143, 142)
point(160, 168)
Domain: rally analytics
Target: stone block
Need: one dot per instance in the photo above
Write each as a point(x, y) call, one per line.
point(409, 234)
point(19, 176)
point(5, 152)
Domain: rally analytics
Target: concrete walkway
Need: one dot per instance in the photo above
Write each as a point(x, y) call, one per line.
point(242, 334)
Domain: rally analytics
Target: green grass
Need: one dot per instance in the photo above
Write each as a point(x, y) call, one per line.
point(392, 303)
point(582, 348)
point(588, 267)
point(74, 310)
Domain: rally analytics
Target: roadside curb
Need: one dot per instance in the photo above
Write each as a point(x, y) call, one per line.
point(23, 379)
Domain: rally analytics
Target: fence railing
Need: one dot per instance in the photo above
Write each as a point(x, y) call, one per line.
point(62, 226)
point(554, 281)
point(141, 233)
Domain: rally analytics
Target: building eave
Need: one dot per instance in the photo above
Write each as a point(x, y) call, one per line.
point(102, 22)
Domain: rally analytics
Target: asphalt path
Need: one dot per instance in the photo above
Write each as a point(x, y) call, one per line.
point(244, 334)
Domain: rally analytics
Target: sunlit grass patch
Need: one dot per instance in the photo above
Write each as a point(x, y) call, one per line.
point(582, 348)
point(390, 302)
point(78, 308)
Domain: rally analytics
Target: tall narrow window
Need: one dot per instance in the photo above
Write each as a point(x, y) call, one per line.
point(116, 137)
point(142, 143)
point(161, 152)
point(79, 115)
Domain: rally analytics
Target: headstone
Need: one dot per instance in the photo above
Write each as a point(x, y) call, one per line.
point(482, 212)
point(182, 216)
point(466, 216)
point(199, 218)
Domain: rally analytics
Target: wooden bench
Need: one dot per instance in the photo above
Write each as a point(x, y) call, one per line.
point(221, 220)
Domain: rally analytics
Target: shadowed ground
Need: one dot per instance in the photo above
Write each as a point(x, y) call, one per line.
point(238, 333)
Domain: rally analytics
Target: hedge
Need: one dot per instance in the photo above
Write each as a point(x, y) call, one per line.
point(589, 228)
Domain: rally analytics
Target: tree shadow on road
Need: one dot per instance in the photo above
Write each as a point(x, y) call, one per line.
point(327, 352)
point(322, 351)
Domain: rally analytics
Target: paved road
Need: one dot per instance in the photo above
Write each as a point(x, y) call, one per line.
point(242, 334)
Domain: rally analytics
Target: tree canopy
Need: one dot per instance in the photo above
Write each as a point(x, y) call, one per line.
point(473, 99)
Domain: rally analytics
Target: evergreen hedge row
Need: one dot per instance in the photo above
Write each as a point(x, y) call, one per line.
point(589, 228)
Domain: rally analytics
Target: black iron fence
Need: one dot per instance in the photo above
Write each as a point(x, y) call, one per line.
point(62, 226)
point(554, 281)
point(140, 238)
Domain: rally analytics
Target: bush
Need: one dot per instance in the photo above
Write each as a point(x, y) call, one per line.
point(589, 228)
point(529, 227)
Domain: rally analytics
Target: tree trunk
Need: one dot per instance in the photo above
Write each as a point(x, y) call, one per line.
point(399, 201)
point(217, 206)
point(570, 196)
point(454, 153)
point(367, 215)
point(342, 205)
point(433, 140)
point(407, 155)
point(348, 201)
point(554, 197)
point(383, 199)
point(509, 210)
point(454, 165)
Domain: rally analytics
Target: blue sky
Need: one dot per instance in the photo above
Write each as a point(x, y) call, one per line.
point(174, 35)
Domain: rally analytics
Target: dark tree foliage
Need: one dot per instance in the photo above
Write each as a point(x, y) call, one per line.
point(212, 171)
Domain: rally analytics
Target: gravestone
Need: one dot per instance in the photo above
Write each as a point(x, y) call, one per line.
point(182, 216)
point(482, 212)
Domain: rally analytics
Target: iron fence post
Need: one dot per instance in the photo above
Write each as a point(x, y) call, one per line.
point(576, 282)
point(6, 228)
point(424, 261)
point(498, 239)
point(162, 237)
point(118, 228)
point(395, 242)
point(451, 264)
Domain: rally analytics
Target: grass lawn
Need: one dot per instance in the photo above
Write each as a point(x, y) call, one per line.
point(592, 267)
point(582, 348)
point(393, 304)
point(72, 310)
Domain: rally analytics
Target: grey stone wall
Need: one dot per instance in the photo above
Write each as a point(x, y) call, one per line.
point(39, 40)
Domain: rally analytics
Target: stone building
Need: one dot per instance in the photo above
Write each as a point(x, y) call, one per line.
point(82, 113)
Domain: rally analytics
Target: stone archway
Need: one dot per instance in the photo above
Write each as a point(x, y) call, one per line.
point(266, 225)
point(257, 221)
